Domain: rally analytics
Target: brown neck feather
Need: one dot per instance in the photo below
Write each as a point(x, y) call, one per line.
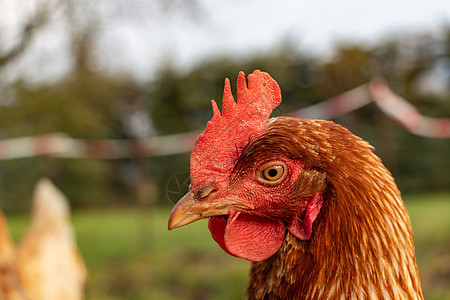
point(361, 247)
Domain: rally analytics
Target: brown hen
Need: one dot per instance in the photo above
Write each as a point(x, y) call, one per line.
point(306, 200)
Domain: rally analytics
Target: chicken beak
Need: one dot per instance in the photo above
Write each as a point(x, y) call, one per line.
point(190, 209)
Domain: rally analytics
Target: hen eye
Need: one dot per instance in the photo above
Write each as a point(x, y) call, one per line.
point(272, 173)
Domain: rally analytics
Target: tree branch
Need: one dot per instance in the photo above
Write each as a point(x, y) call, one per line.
point(27, 34)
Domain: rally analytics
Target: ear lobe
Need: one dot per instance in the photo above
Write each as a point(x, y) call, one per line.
point(302, 229)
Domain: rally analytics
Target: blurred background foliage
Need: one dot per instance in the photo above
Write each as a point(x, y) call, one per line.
point(89, 104)
point(92, 102)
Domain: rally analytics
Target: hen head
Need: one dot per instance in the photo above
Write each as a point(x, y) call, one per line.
point(252, 176)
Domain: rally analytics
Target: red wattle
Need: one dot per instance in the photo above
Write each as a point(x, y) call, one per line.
point(217, 228)
point(246, 236)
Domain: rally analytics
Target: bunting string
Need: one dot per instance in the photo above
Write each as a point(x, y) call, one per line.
point(62, 146)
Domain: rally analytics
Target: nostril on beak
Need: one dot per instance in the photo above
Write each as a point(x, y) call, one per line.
point(204, 192)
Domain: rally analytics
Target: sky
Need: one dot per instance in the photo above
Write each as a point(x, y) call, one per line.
point(243, 26)
point(139, 45)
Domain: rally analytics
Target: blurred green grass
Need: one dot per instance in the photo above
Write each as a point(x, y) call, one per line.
point(131, 255)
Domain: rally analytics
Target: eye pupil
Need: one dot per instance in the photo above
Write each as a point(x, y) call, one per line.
point(272, 172)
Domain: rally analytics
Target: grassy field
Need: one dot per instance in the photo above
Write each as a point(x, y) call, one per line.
point(131, 255)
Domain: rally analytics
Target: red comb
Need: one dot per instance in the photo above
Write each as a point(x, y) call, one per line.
point(216, 149)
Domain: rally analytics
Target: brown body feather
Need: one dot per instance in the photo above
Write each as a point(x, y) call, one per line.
point(361, 246)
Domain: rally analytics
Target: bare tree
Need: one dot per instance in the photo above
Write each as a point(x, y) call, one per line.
point(84, 24)
point(28, 31)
